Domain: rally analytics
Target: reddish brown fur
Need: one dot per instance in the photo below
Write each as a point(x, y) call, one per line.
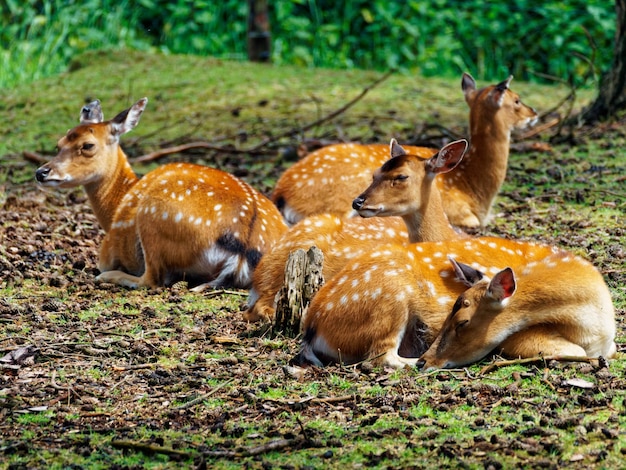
point(327, 179)
point(404, 187)
point(369, 309)
point(558, 306)
point(414, 198)
point(180, 221)
point(340, 240)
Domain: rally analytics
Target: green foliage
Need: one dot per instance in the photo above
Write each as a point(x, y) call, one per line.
point(438, 38)
point(40, 38)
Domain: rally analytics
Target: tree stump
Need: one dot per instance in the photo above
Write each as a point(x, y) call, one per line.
point(303, 278)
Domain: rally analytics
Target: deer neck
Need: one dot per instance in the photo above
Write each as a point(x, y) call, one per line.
point(483, 169)
point(105, 194)
point(429, 223)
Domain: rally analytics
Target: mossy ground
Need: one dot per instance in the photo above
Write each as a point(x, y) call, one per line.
point(182, 375)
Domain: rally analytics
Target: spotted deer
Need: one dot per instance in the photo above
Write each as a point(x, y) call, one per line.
point(402, 187)
point(557, 306)
point(390, 304)
point(326, 180)
point(179, 221)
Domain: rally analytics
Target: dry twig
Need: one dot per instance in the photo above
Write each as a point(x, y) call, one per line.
point(530, 360)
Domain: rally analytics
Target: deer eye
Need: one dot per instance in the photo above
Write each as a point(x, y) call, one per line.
point(88, 146)
point(400, 178)
point(460, 325)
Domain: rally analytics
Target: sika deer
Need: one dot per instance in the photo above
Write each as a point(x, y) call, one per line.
point(390, 304)
point(557, 306)
point(180, 221)
point(325, 180)
point(403, 186)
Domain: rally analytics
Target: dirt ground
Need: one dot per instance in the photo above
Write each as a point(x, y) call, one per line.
point(112, 361)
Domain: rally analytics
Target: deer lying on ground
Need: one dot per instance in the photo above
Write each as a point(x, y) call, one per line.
point(390, 305)
point(180, 221)
point(327, 179)
point(402, 187)
point(558, 306)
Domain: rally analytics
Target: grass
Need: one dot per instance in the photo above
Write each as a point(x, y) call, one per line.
point(152, 352)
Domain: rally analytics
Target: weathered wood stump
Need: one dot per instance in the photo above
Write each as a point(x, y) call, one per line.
point(303, 278)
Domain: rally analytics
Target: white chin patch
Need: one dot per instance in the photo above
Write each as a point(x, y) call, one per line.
point(366, 213)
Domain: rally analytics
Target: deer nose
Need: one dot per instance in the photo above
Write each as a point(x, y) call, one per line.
point(358, 203)
point(42, 173)
point(420, 364)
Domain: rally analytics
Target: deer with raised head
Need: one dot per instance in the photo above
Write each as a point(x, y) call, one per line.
point(179, 222)
point(390, 304)
point(325, 180)
point(402, 187)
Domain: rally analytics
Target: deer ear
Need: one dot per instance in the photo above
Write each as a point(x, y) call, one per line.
point(447, 158)
point(395, 149)
point(502, 286)
point(468, 85)
point(128, 119)
point(498, 92)
point(91, 113)
point(466, 274)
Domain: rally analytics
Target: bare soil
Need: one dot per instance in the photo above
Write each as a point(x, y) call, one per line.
point(110, 370)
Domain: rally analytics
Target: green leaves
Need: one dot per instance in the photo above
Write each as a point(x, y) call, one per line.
point(439, 38)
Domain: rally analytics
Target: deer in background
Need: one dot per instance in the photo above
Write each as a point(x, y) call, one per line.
point(325, 180)
point(179, 222)
point(390, 304)
point(402, 187)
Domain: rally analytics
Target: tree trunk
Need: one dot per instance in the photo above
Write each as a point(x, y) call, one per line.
point(259, 38)
point(303, 278)
point(612, 94)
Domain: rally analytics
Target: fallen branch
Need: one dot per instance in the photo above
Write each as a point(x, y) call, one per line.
point(192, 145)
point(34, 157)
point(315, 400)
point(149, 448)
point(39, 159)
point(529, 360)
point(323, 119)
point(258, 450)
point(203, 397)
point(134, 367)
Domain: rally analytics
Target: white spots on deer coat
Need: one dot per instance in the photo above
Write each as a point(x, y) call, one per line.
point(178, 217)
point(376, 293)
point(431, 288)
point(478, 266)
point(164, 215)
